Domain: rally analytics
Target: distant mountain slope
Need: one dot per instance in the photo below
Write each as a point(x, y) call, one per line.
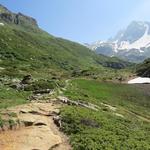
point(132, 44)
point(25, 48)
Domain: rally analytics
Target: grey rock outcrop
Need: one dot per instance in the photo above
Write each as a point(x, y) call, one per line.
point(17, 19)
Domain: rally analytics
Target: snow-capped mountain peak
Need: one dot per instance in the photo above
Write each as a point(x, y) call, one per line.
point(134, 41)
point(144, 41)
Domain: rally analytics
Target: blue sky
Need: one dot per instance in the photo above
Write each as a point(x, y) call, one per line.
point(82, 20)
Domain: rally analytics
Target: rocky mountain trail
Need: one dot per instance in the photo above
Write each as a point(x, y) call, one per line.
point(36, 125)
point(36, 129)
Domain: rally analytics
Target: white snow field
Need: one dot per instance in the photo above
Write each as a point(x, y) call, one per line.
point(139, 80)
point(1, 24)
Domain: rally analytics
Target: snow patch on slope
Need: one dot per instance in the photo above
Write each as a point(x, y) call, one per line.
point(139, 80)
point(1, 24)
point(95, 45)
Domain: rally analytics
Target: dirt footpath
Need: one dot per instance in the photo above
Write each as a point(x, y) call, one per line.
point(39, 131)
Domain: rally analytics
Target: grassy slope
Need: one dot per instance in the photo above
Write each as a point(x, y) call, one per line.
point(10, 97)
point(130, 132)
point(38, 53)
point(26, 49)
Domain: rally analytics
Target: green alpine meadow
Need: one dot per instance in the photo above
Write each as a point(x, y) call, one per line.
point(57, 94)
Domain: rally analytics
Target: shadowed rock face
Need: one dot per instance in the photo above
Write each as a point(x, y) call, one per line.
point(17, 19)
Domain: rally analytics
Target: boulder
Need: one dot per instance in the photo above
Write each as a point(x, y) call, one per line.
point(26, 79)
point(57, 121)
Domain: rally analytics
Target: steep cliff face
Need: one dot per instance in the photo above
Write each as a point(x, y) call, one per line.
point(7, 16)
point(22, 19)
